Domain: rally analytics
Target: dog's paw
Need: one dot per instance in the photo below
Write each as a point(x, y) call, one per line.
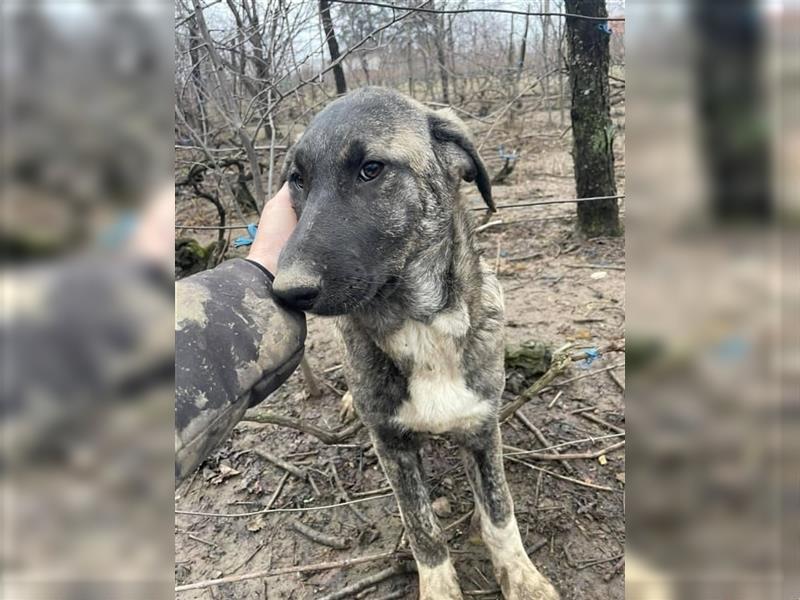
point(520, 580)
point(438, 583)
point(347, 412)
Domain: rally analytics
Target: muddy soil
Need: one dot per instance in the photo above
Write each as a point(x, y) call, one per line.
point(559, 289)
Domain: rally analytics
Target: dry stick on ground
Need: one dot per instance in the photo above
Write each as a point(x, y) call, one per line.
point(341, 564)
point(265, 511)
point(512, 451)
point(616, 380)
point(542, 439)
point(593, 486)
point(368, 581)
point(318, 536)
point(279, 462)
point(312, 387)
point(557, 367)
point(599, 421)
point(277, 491)
point(595, 266)
point(344, 495)
point(568, 455)
point(324, 435)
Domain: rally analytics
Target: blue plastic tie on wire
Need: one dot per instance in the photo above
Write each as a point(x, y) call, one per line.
point(604, 27)
point(592, 354)
point(246, 240)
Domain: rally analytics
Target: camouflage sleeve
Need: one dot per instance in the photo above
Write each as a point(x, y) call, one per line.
point(233, 346)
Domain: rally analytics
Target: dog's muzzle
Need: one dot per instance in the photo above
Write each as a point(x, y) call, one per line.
point(297, 287)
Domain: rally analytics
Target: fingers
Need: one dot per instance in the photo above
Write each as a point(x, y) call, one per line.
point(275, 227)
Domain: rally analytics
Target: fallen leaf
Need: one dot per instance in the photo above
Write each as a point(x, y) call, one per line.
point(620, 477)
point(602, 459)
point(598, 275)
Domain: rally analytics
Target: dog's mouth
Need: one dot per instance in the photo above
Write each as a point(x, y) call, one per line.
point(353, 299)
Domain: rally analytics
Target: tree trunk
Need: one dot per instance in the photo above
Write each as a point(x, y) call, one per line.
point(592, 130)
point(734, 135)
point(333, 46)
point(441, 59)
point(546, 82)
point(524, 46)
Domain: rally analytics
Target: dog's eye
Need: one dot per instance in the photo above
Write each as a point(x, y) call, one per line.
point(370, 170)
point(297, 180)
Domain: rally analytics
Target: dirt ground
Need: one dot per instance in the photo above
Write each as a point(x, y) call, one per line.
point(559, 289)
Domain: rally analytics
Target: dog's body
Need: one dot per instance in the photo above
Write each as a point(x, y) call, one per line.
point(422, 320)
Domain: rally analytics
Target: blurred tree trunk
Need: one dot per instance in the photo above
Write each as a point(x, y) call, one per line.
point(592, 129)
point(734, 133)
point(333, 46)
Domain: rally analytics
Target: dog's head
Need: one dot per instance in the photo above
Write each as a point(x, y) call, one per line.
point(373, 180)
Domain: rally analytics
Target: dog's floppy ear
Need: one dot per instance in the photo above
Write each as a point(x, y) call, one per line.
point(449, 130)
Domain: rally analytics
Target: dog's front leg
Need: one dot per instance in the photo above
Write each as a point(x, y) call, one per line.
point(518, 577)
point(400, 458)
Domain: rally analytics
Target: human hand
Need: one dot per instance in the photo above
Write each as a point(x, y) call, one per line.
point(275, 226)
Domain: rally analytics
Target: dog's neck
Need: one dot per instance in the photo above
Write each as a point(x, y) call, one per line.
point(442, 274)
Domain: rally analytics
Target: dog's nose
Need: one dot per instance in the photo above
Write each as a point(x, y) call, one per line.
point(297, 287)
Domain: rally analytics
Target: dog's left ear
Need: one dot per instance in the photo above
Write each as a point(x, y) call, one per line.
point(448, 130)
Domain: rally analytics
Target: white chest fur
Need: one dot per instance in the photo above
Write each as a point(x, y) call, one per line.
point(439, 399)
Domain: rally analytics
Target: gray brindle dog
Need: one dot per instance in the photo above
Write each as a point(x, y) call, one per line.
point(385, 242)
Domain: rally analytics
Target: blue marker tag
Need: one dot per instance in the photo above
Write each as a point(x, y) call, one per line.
point(591, 355)
point(246, 240)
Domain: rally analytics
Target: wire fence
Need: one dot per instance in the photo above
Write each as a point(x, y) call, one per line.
point(477, 208)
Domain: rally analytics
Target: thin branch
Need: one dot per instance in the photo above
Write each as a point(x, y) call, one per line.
point(196, 513)
point(340, 564)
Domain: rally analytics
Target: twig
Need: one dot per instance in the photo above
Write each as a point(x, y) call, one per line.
point(568, 456)
point(366, 582)
point(590, 374)
point(341, 564)
point(312, 387)
point(266, 511)
point(616, 380)
point(593, 486)
point(324, 435)
point(615, 570)
point(540, 436)
point(516, 451)
point(318, 536)
point(487, 225)
point(600, 267)
point(458, 521)
point(600, 421)
point(343, 493)
point(279, 462)
point(555, 399)
point(557, 366)
point(277, 491)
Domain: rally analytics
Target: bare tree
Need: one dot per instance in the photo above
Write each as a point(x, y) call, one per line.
point(592, 129)
point(333, 46)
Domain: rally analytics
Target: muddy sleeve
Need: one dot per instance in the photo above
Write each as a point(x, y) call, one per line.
point(234, 345)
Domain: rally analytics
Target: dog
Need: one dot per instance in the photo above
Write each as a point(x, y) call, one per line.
point(384, 243)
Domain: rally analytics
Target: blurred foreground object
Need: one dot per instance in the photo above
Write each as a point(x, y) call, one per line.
point(712, 291)
point(87, 347)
